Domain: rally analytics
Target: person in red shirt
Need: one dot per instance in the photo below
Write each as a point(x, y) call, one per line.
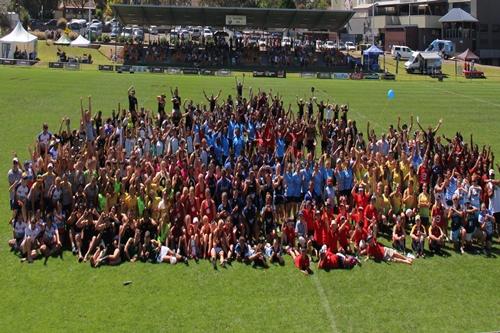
point(308, 213)
point(360, 197)
point(438, 213)
point(344, 233)
point(358, 239)
point(289, 233)
point(320, 231)
point(371, 216)
point(329, 260)
point(301, 260)
point(378, 252)
point(333, 239)
point(208, 206)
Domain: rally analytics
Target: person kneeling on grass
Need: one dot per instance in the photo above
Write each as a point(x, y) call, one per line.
point(418, 236)
point(301, 259)
point(274, 252)
point(487, 224)
point(50, 241)
point(379, 252)
point(329, 260)
point(109, 255)
point(436, 237)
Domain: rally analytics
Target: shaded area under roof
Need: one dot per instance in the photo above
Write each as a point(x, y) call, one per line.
point(457, 15)
point(144, 15)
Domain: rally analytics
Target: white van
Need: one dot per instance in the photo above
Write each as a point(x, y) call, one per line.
point(404, 52)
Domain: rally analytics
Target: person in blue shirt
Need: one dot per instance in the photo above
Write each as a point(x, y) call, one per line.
point(238, 143)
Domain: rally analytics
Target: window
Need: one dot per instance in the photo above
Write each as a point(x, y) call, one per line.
point(483, 28)
point(495, 28)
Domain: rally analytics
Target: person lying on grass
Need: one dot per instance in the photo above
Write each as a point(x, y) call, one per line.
point(301, 259)
point(329, 260)
point(378, 252)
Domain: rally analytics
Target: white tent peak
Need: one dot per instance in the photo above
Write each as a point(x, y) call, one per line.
point(80, 41)
point(63, 40)
point(19, 35)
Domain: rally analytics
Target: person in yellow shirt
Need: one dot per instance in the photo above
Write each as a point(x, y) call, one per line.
point(409, 197)
point(424, 203)
point(397, 200)
point(130, 200)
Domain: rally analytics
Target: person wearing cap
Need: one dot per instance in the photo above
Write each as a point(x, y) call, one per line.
point(43, 139)
point(379, 252)
point(493, 191)
point(418, 236)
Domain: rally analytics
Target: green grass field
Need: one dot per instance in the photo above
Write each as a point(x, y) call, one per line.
point(445, 294)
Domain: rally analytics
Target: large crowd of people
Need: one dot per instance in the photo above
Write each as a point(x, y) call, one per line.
point(222, 53)
point(250, 179)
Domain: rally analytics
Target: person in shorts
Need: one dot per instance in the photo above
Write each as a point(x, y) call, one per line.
point(378, 252)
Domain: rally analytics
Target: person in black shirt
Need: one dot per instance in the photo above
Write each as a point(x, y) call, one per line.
point(132, 103)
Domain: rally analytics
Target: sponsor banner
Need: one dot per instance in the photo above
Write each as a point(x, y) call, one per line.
point(173, 71)
point(142, 69)
point(56, 65)
point(223, 72)
point(72, 66)
point(207, 72)
point(372, 76)
point(324, 76)
point(108, 68)
point(123, 68)
point(388, 76)
point(278, 74)
point(190, 71)
point(308, 75)
point(341, 76)
point(156, 69)
point(356, 76)
point(236, 20)
point(24, 63)
point(8, 61)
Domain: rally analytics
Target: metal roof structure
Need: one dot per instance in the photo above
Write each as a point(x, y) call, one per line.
point(144, 15)
point(458, 15)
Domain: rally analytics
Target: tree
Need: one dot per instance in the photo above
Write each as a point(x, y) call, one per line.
point(39, 9)
point(290, 4)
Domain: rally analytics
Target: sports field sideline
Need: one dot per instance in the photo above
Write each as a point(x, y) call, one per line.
point(449, 294)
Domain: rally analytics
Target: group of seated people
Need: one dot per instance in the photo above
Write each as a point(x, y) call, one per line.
point(219, 52)
point(250, 179)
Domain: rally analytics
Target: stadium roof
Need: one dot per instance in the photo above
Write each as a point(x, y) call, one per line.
point(144, 15)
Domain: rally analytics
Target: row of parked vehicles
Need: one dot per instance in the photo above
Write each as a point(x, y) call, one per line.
point(425, 62)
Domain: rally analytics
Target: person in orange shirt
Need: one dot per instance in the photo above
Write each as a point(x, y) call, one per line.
point(436, 237)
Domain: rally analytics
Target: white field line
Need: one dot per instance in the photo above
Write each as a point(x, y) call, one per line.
point(325, 303)
point(469, 97)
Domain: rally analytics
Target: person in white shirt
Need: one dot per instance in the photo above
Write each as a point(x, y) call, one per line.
point(493, 190)
point(29, 244)
point(18, 228)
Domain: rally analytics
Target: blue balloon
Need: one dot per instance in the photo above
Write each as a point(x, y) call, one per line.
point(391, 95)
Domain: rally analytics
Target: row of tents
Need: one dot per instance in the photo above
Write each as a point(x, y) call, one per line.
point(21, 40)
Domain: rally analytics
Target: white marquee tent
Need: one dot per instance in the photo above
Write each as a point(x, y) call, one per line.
point(18, 39)
point(80, 41)
point(63, 40)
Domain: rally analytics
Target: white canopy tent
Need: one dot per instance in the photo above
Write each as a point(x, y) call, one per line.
point(18, 39)
point(63, 40)
point(80, 41)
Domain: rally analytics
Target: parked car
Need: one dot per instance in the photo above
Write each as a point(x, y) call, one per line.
point(138, 35)
point(424, 63)
point(184, 34)
point(286, 41)
point(445, 48)
point(207, 33)
point(115, 31)
point(50, 24)
point(173, 36)
point(319, 45)
point(403, 52)
point(195, 33)
point(329, 45)
point(262, 42)
point(153, 30)
point(127, 32)
point(349, 46)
